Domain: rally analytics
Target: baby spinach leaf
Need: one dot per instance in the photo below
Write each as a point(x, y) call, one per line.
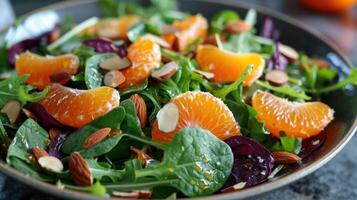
point(200, 161)
point(135, 88)
point(245, 115)
point(29, 135)
point(14, 88)
point(221, 19)
point(92, 76)
point(25, 168)
point(75, 141)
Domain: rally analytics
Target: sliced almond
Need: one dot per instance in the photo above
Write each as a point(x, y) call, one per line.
point(51, 163)
point(79, 169)
point(60, 77)
point(29, 114)
point(288, 52)
point(141, 109)
point(166, 71)
point(115, 63)
point(236, 187)
point(157, 40)
point(138, 194)
point(284, 157)
point(237, 26)
point(168, 117)
point(38, 152)
point(168, 30)
point(114, 78)
point(12, 109)
point(96, 137)
point(207, 75)
point(276, 77)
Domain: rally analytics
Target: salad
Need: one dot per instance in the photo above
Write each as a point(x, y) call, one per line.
point(152, 102)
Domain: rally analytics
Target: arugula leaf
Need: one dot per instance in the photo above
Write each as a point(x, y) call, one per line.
point(14, 88)
point(100, 172)
point(221, 19)
point(96, 189)
point(29, 135)
point(284, 90)
point(225, 90)
point(351, 79)
point(75, 141)
point(25, 168)
point(92, 76)
point(289, 144)
point(4, 136)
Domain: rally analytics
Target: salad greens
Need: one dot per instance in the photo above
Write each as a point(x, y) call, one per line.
point(196, 161)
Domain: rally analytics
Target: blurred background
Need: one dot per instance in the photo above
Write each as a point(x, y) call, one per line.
point(336, 19)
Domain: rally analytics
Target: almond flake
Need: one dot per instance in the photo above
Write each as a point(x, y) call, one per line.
point(51, 163)
point(12, 109)
point(168, 117)
point(166, 71)
point(115, 63)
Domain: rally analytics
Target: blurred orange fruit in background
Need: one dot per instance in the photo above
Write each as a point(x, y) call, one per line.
point(329, 5)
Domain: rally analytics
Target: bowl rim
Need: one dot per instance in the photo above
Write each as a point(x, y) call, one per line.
point(246, 193)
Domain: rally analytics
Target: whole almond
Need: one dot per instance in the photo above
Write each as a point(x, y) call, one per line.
point(284, 157)
point(79, 169)
point(96, 137)
point(141, 110)
point(38, 152)
point(53, 133)
point(237, 26)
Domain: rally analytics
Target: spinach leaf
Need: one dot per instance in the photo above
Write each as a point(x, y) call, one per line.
point(75, 141)
point(25, 168)
point(285, 90)
point(134, 88)
point(92, 76)
point(245, 115)
point(14, 88)
point(29, 135)
point(196, 162)
point(3, 135)
point(221, 19)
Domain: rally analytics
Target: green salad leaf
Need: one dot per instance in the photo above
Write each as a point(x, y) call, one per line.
point(289, 144)
point(141, 29)
point(221, 19)
point(14, 88)
point(92, 76)
point(284, 90)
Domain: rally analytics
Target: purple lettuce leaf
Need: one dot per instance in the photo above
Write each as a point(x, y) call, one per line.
point(105, 46)
point(253, 163)
point(45, 119)
point(54, 148)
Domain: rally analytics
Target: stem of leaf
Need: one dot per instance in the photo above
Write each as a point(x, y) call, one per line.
point(148, 141)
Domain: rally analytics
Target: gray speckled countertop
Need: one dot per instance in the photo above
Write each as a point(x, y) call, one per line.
point(336, 180)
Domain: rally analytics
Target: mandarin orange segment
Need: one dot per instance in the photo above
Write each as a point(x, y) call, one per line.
point(41, 68)
point(203, 110)
point(77, 108)
point(125, 23)
point(192, 28)
point(228, 66)
point(145, 55)
point(298, 120)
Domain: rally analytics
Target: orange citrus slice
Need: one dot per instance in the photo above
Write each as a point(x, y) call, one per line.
point(203, 110)
point(144, 55)
point(42, 68)
point(77, 108)
point(228, 66)
point(191, 29)
point(295, 119)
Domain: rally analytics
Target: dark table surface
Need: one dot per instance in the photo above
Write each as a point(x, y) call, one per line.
point(336, 180)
